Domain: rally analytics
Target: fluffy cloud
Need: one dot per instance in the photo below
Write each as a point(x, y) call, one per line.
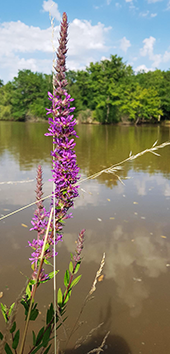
point(21, 49)
point(51, 7)
point(142, 68)
point(153, 15)
point(144, 14)
point(147, 50)
point(125, 44)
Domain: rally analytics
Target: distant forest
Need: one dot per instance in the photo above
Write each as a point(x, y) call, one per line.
point(106, 92)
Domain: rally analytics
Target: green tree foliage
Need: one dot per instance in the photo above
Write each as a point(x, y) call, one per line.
point(108, 91)
point(29, 97)
point(5, 102)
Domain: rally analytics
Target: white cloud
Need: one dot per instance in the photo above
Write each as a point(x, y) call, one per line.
point(144, 14)
point(18, 37)
point(148, 46)
point(154, 15)
point(125, 44)
point(153, 1)
point(52, 7)
point(166, 56)
point(129, 0)
point(142, 68)
point(108, 2)
point(147, 50)
point(18, 40)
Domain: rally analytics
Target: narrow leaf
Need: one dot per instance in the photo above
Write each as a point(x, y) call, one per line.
point(11, 308)
point(13, 328)
point(36, 349)
point(75, 281)
point(34, 314)
point(77, 267)
point(33, 338)
point(47, 350)
point(66, 278)
point(50, 314)
point(28, 291)
point(16, 340)
point(40, 334)
point(51, 275)
point(4, 310)
point(71, 267)
point(8, 349)
point(47, 262)
point(46, 337)
point(67, 297)
point(59, 297)
point(1, 336)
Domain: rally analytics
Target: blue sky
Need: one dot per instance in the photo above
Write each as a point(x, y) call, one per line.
point(136, 30)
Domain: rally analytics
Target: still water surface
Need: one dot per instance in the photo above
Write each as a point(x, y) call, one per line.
point(126, 222)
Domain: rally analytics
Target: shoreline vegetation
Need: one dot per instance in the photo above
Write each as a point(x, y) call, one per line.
point(105, 92)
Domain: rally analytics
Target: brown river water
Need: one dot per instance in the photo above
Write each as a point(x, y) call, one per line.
point(130, 223)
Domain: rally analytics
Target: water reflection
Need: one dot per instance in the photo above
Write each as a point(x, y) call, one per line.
point(129, 222)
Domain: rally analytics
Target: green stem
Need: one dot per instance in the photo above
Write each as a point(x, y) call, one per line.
point(35, 286)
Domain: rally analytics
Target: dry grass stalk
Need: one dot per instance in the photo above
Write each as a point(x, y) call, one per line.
point(93, 288)
point(100, 349)
point(82, 341)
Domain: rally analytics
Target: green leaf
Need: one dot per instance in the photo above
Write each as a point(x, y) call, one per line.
point(16, 340)
point(51, 274)
point(11, 308)
point(71, 256)
point(32, 282)
point(77, 267)
point(47, 350)
point(66, 278)
point(50, 314)
point(4, 310)
point(28, 291)
point(71, 267)
point(8, 349)
point(34, 314)
point(46, 337)
point(59, 297)
point(33, 338)
point(40, 336)
point(26, 306)
point(13, 328)
point(75, 281)
point(36, 349)
point(47, 262)
point(1, 336)
point(68, 296)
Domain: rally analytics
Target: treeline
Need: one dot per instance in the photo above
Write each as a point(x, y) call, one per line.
point(106, 92)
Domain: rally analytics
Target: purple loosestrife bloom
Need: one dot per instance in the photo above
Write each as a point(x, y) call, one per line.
point(65, 169)
point(79, 247)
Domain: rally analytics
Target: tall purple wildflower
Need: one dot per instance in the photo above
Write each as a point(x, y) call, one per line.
point(65, 169)
point(39, 225)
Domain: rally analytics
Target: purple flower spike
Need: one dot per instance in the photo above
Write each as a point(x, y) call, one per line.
point(61, 127)
point(79, 248)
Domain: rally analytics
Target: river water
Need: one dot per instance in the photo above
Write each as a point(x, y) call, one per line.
point(130, 222)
